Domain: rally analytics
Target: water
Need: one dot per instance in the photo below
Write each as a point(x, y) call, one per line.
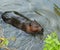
point(48, 16)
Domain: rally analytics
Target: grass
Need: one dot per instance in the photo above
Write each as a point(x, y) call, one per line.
point(52, 42)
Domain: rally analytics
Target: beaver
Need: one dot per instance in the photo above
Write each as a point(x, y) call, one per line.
point(21, 22)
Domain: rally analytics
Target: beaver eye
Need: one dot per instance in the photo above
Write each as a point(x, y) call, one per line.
point(30, 24)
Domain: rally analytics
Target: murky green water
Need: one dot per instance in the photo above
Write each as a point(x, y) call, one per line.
point(45, 12)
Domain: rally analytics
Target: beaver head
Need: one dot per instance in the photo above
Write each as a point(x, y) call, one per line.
point(34, 28)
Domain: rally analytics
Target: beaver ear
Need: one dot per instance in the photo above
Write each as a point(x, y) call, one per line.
point(35, 21)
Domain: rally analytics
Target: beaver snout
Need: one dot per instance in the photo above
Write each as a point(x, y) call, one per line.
point(38, 30)
point(34, 29)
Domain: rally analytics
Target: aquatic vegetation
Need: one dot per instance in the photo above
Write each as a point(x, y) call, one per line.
point(3, 42)
point(57, 9)
point(52, 42)
point(13, 38)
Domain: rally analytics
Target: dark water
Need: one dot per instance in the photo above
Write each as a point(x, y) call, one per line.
point(45, 12)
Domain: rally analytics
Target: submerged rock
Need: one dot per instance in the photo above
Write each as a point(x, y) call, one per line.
point(21, 22)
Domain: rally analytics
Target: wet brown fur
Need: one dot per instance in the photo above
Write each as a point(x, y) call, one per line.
point(21, 22)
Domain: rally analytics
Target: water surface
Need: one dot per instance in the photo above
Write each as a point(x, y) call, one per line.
point(45, 12)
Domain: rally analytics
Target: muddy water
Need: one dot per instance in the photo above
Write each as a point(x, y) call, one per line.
point(45, 12)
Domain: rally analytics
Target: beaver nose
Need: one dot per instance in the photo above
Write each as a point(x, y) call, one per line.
point(41, 32)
